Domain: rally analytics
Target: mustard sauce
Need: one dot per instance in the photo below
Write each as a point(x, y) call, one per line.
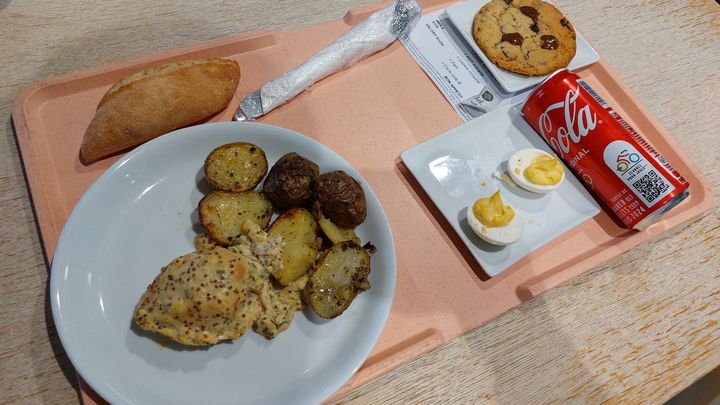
point(491, 211)
point(544, 170)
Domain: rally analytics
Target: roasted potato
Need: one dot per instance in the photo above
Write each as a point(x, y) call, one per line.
point(291, 181)
point(333, 232)
point(238, 166)
point(222, 213)
point(341, 199)
point(299, 232)
point(340, 274)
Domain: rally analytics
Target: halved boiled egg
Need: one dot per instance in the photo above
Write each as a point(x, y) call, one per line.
point(495, 222)
point(536, 170)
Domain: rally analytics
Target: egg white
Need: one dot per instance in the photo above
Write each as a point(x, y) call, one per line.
point(520, 160)
point(499, 235)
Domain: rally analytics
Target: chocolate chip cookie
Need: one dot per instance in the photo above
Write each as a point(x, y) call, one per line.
point(530, 37)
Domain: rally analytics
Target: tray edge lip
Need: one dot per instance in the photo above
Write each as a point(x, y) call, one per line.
point(35, 183)
point(635, 239)
point(19, 119)
point(706, 200)
point(22, 131)
point(524, 290)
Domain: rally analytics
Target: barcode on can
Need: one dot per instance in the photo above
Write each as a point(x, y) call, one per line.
point(592, 93)
point(651, 186)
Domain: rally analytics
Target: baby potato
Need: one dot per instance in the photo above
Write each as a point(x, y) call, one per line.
point(342, 199)
point(291, 181)
point(222, 213)
point(299, 232)
point(237, 167)
point(340, 274)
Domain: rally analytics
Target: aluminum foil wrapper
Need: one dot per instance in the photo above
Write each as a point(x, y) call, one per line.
point(369, 36)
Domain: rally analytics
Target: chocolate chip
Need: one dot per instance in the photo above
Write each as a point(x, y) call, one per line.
point(534, 28)
point(549, 42)
point(508, 1)
point(565, 23)
point(529, 11)
point(513, 38)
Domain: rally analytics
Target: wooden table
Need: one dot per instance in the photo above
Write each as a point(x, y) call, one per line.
point(641, 327)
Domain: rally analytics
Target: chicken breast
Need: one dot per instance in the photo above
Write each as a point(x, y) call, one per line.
point(277, 307)
point(201, 298)
point(218, 293)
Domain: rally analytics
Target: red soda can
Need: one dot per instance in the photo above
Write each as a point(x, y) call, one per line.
point(622, 169)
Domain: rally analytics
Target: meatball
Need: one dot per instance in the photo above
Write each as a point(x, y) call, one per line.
point(291, 181)
point(341, 199)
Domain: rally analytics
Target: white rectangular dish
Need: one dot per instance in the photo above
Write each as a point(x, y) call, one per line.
point(456, 168)
point(462, 16)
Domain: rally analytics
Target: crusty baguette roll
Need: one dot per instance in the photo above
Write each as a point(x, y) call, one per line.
point(157, 100)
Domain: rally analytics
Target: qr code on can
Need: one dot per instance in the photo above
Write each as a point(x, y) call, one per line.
point(651, 186)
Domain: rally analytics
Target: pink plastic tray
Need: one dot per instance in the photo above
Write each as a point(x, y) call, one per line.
point(368, 114)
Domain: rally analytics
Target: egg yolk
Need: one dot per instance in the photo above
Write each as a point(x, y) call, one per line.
point(544, 170)
point(491, 211)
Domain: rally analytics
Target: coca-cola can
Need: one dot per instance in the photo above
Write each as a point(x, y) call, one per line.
point(620, 167)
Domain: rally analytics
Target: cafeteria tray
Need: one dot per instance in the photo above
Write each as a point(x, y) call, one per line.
point(368, 114)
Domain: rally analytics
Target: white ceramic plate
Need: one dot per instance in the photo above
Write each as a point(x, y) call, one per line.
point(462, 16)
point(452, 168)
point(138, 216)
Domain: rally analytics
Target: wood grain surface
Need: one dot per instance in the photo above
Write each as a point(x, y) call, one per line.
point(638, 329)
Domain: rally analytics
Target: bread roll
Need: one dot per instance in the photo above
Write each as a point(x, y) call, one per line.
point(157, 100)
